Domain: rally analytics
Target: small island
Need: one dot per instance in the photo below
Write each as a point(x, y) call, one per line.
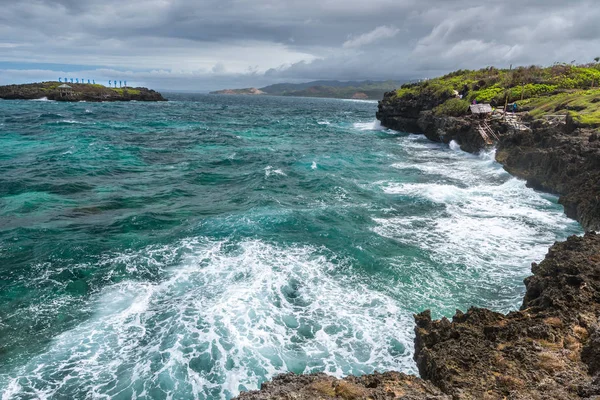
point(72, 92)
point(246, 91)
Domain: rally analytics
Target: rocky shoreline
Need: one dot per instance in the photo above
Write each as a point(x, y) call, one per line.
point(561, 158)
point(550, 349)
point(77, 92)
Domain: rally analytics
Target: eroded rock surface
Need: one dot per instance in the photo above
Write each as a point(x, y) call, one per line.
point(321, 386)
point(548, 350)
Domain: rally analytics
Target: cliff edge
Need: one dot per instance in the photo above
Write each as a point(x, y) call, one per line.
point(552, 141)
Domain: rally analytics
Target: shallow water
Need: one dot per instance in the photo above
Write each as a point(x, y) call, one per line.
point(198, 247)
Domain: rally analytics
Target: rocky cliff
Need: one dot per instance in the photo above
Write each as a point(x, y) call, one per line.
point(561, 158)
point(77, 92)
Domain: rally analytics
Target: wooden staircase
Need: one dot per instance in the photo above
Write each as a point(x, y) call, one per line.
point(487, 133)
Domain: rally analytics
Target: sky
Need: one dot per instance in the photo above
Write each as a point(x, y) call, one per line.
point(200, 45)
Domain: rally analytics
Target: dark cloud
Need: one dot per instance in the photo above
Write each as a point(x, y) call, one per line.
point(216, 43)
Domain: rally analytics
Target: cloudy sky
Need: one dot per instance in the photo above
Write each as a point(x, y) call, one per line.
point(214, 44)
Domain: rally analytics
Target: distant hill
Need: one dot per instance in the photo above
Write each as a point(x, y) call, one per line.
point(250, 91)
point(368, 90)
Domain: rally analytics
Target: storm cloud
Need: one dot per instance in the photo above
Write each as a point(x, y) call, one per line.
point(210, 44)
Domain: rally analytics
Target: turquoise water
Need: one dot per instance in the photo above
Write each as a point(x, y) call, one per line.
point(198, 247)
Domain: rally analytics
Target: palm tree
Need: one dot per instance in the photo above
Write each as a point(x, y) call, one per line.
point(59, 80)
point(597, 59)
point(109, 83)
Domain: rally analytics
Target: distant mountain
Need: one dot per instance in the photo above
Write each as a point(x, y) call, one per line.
point(372, 90)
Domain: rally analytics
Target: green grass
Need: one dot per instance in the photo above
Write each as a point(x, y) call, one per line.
point(559, 89)
point(583, 105)
point(125, 91)
point(453, 107)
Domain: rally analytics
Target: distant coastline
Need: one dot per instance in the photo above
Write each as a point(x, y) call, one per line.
point(359, 90)
point(73, 92)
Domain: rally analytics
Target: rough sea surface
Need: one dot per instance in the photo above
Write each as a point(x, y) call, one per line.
point(196, 248)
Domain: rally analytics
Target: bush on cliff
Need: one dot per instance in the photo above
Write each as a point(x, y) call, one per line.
point(453, 107)
point(559, 89)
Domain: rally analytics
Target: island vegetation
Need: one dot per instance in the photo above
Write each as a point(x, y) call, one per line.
point(58, 91)
point(561, 89)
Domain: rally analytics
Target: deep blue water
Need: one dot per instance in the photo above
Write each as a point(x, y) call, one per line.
point(198, 247)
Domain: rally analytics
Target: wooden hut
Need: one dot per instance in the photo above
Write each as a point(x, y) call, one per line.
point(481, 110)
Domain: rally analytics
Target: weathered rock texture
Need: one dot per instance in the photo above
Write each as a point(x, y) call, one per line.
point(561, 158)
point(79, 92)
point(550, 349)
point(321, 386)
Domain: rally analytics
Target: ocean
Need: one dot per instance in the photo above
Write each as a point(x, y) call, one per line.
point(198, 247)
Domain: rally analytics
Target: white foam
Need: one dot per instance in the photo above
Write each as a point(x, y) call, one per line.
point(227, 317)
point(369, 126)
point(269, 171)
point(479, 218)
point(313, 165)
point(454, 146)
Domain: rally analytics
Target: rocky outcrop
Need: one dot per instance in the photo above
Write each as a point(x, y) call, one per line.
point(560, 158)
point(77, 92)
point(376, 386)
point(547, 350)
point(550, 349)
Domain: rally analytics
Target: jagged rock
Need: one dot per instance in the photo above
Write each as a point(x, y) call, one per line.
point(390, 385)
point(544, 351)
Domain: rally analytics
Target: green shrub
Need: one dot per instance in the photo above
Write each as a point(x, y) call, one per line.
point(486, 95)
point(453, 107)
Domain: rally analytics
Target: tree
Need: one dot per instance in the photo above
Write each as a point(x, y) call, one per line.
point(597, 59)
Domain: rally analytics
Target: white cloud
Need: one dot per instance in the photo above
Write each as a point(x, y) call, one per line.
point(377, 34)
